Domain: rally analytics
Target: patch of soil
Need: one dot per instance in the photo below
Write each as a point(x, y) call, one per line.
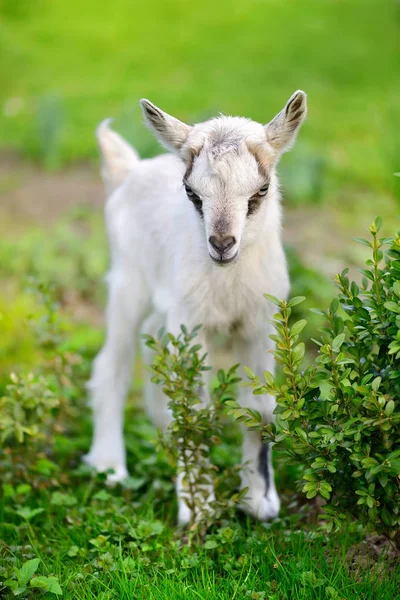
point(374, 555)
point(30, 195)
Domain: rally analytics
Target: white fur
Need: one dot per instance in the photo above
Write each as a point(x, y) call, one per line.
point(162, 273)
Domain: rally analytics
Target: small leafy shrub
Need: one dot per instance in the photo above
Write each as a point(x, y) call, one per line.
point(195, 429)
point(340, 417)
point(26, 408)
point(38, 406)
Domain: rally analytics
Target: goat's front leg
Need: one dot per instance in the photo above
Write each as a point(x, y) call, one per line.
point(261, 500)
point(112, 373)
point(185, 516)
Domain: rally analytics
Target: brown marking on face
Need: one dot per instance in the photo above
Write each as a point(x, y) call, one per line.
point(262, 157)
point(193, 153)
point(253, 205)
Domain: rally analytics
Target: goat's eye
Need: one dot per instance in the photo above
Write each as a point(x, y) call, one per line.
point(263, 191)
point(255, 201)
point(189, 192)
point(193, 197)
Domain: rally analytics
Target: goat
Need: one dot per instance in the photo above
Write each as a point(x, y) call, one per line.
point(195, 237)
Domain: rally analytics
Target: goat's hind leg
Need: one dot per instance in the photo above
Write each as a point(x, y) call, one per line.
point(112, 373)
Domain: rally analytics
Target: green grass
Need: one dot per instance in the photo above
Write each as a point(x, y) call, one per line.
point(72, 64)
point(123, 543)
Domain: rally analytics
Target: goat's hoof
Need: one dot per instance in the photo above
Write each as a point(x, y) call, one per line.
point(184, 514)
point(263, 508)
point(120, 471)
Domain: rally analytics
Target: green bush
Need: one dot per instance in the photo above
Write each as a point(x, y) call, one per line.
point(340, 416)
point(35, 407)
point(196, 427)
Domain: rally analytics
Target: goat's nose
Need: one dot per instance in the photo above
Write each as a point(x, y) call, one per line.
point(222, 245)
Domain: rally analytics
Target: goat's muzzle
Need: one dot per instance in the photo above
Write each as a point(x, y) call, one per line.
point(221, 249)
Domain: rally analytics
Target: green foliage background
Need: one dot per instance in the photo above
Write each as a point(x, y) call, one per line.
point(74, 63)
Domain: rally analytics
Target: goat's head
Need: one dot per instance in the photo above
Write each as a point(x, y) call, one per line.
point(230, 169)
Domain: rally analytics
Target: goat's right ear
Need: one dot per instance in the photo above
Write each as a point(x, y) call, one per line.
point(171, 132)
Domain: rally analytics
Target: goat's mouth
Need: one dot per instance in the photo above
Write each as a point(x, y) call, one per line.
point(221, 261)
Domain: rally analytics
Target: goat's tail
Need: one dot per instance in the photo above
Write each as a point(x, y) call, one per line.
point(118, 158)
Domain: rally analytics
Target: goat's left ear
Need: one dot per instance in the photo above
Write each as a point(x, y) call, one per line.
point(282, 130)
point(171, 132)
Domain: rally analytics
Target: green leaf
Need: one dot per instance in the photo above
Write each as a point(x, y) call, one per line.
point(273, 299)
point(29, 513)
point(370, 502)
point(60, 499)
point(296, 300)
point(309, 486)
point(362, 241)
point(298, 327)
point(367, 274)
point(48, 584)
point(73, 551)
point(13, 585)
point(392, 306)
point(376, 383)
point(396, 288)
point(102, 495)
point(129, 564)
point(338, 341)
point(288, 413)
point(23, 488)
point(250, 374)
point(389, 408)
point(133, 483)
point(378, 223)
point(26, 572)
point(383, 479)
point(210, 544)
point(299, 351)
point(269, 378)
point(46, 467)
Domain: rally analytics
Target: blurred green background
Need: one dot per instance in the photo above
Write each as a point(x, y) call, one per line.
point(66, 65)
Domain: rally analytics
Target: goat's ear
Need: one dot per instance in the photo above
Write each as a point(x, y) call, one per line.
point(171, 132)
point(282, 130)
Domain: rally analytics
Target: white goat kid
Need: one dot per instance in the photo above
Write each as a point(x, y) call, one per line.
point(195, 238)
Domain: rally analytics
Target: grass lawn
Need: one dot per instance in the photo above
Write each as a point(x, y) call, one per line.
point(65, 66)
